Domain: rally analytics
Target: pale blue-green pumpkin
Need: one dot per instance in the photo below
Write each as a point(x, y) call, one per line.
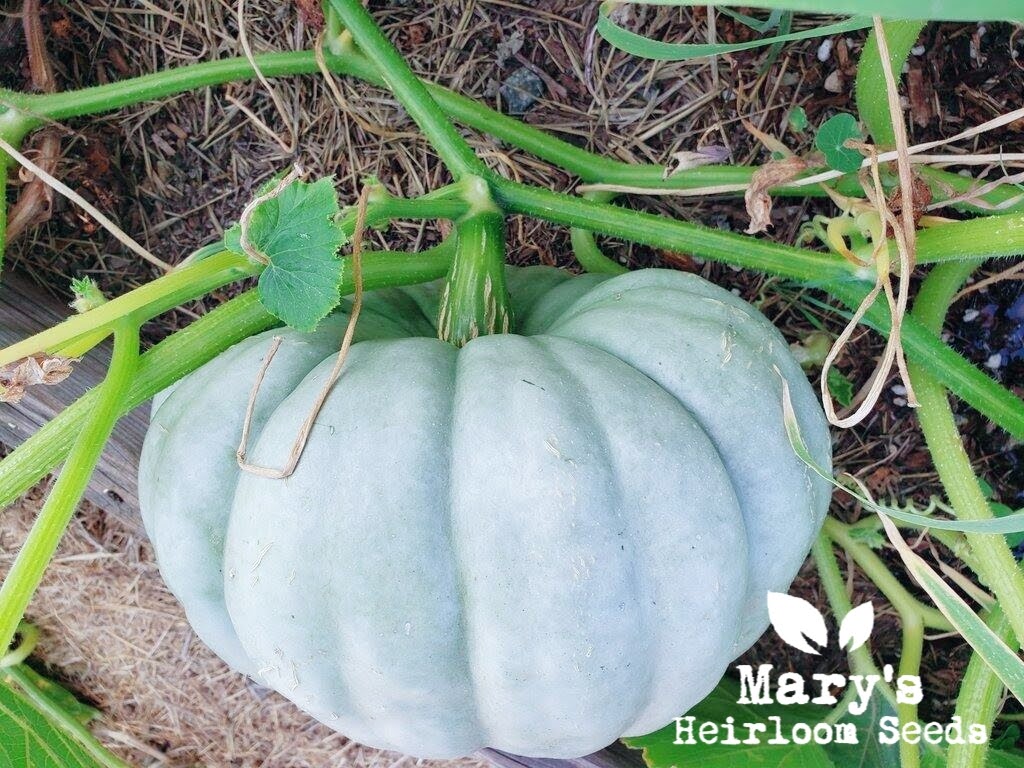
point(539, 542)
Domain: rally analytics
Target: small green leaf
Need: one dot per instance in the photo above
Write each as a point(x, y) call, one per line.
point(798, 119)
point(297, 233)
point(28, 739)
point(1008, 738)
point(87, 294)
point(831, 141)
point(871, 537)
point(661, 751)
point(1011, 757)
point(840, 387)
point(986, 488)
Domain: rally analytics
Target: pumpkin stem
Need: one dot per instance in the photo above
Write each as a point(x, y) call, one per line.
point(475, 301)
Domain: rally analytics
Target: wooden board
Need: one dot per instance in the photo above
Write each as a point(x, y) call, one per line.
point(25, 309)
point(615, 756)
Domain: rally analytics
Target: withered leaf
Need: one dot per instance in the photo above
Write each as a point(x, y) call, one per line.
point(18, 376)
point(769, 175)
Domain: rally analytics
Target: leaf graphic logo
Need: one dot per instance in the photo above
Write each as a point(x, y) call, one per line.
point(796, 621)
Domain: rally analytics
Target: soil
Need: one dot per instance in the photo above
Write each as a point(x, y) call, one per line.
point(174, 174)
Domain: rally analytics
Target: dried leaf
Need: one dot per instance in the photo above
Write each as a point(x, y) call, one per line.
point(768, 176)
point(18, 376)
point(35, 204)
point(685, 160)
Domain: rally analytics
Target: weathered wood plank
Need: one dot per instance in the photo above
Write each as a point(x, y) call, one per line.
point(615, 756)
point(26, 309)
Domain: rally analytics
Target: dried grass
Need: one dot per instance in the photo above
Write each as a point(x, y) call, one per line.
point(112, 632)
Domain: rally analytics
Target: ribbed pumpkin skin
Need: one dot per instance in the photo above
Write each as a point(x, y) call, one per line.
point(538, 543)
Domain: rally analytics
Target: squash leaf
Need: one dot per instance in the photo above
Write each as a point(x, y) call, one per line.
point(868, 751)
point(831, 141)
point(660, 750)
point(840, 387)
point(296, 231)
point(29, 739)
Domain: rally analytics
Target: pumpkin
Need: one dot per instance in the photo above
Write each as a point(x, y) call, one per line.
point(539, 542)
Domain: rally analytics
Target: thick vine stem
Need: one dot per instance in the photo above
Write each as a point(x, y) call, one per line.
point(27, 570)
point(190, 348)
point(834, 585)
point(870, 87)
point(345, 60)
point(980, 698)
point(996, 564)
point(409, 90)
point(585, 247)
point(876, 570)
point(138, 305)
point(474, 301)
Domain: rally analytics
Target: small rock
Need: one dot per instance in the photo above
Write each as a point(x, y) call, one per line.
point(994, 361)
point(825, 50)
point(970, 315)
point(918, 50)
point(834, 82)
point(899, 389)
point(521, 90)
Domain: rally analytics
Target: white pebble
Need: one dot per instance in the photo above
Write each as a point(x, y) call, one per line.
point(900, 401)
point(970, 315)
point(994, 361)
point(825, 50)
point(834, 82)
point(918, 50)
point(899, 389)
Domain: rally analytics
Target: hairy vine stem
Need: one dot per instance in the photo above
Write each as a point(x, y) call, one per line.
point(27, 570)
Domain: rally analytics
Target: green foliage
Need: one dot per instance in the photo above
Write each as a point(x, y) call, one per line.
point(660, 751)
point(30, 739)
point(840, 387)
point(797, 119)
point(645, 47)
point(297, 233)
point(87, 294)
point(831, 141)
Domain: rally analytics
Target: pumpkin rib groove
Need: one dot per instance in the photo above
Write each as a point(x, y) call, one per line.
point(546, 341)
point(685, 406)
point(756, 339)
point(639, 577)
point(459, 564)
